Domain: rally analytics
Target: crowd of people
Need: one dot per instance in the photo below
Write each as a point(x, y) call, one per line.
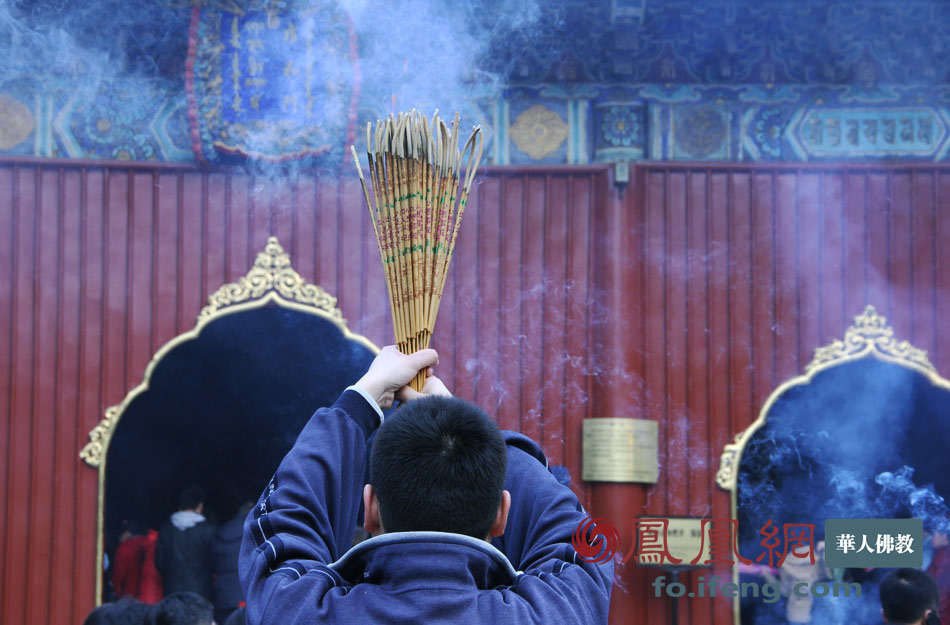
point(184, 573)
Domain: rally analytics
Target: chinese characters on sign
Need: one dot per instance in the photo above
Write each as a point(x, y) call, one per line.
point(874, 542)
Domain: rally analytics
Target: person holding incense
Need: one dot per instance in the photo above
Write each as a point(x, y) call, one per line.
point(469, 525)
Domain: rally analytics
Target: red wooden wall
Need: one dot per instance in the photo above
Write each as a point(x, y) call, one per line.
point(110, 261)
point(686, 298)
point(723, 281)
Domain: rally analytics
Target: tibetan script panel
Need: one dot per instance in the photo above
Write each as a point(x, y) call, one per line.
point(272, 85)
point(851, 132)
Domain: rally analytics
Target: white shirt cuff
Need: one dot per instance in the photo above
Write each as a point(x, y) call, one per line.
point(369, 400)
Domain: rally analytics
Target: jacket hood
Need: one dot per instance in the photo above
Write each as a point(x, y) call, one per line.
point(395, 557)
point(183, 519)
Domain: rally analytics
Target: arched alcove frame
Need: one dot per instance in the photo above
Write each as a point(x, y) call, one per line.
point(869, 336)
point(271, 280)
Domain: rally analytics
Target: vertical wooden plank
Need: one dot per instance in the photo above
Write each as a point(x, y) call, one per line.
point(191, 253)
point(855, 242)
point(215, 235)
point(92, 400)
point(763, 287)
point(510, 337)
point(655, 258)
point(166, 290)
point(465, 292)
point(624, 388)
point(655, 350)
point(532, 372)
point(941, 356)
point(554, 346)
point(8, 230)
point(487, 385)
point(117, 282)
point(878, 247)
point(45, 268)
point(697, 365)
point(677, 362)
point(19, 461)
point(923, 235)
point(719, 379)
point(283, 207)
point(900, 256)
point(350, 259)
point(240, 258)
point(832, 250)
point(577, 318)
point(696, 475)
point(304, 218)
point(141, 289)
point(66, 467)
point(744, 408)
point(786, 284)
point(328, 230)
point(809, 258)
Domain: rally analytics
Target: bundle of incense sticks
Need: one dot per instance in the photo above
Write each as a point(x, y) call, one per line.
point(416, 208)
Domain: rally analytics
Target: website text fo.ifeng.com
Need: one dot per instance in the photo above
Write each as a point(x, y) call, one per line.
point(769, 591)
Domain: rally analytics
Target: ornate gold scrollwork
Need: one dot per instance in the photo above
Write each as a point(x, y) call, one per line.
point(869, 332)
point(272, 273)
point(98, 438)
point(726, 475)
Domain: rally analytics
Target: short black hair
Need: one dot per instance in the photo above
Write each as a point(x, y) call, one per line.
point(190, 497)
point(182, 608)
point(122, 612)
point(439, 464)
point(906, 594)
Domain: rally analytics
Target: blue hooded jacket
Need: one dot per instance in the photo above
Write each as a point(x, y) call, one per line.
point(297, 566)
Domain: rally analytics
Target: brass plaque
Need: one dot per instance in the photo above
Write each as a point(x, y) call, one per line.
point(620, 450)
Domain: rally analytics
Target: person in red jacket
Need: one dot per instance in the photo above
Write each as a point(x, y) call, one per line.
point(134, 573)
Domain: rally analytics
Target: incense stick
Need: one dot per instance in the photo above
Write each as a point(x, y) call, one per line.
point(416, 208)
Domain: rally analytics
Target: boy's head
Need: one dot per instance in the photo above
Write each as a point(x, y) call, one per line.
point(182, 608)
point(907, 596)
point(438, 464)
point(122, 612)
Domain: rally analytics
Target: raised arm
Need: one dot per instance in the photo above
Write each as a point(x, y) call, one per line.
point(306, 516)
point(537, 540)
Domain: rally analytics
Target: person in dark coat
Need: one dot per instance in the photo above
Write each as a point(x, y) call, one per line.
point(457, 538)
point(228, 595)
point(184, 552)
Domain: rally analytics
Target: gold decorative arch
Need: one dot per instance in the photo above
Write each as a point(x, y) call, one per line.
point(271, 280)
point(869, 336)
